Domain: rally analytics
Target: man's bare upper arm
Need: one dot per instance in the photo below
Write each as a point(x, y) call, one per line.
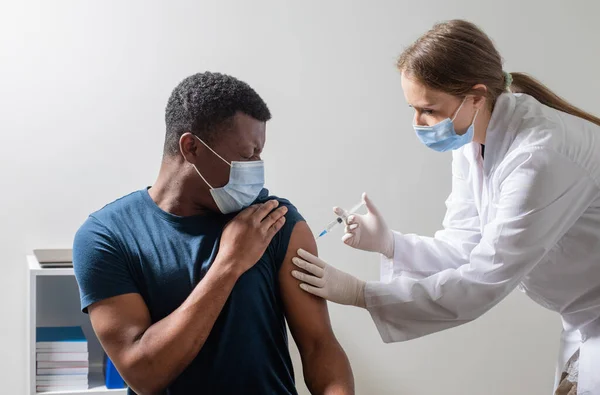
point(307, 315)
point(118, 322)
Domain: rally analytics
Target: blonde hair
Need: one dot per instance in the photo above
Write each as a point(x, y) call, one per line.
point(456, 55)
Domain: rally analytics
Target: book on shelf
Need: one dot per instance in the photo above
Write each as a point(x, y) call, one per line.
point(62, 364)
point(60, 339)
point(61, 387)
point(61, 356)
point(62, 359)
point(51, 379)
point(62, 371)
point(54, 258)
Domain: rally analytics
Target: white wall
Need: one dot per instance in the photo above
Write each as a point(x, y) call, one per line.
point(83, 87)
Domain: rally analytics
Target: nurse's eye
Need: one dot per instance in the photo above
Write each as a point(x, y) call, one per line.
point(427, 111)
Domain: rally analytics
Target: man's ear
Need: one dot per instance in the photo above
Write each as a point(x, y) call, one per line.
point(189, 147)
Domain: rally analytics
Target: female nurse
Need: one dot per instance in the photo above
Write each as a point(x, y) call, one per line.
point(524, 211)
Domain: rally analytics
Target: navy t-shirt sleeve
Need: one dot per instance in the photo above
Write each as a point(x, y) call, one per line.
point(100, 267)
point(280, 242)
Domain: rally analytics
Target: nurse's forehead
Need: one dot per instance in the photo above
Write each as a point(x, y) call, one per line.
point(419, 95)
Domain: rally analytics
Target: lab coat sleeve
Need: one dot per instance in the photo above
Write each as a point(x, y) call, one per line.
point(541, 195)
point(419, 256)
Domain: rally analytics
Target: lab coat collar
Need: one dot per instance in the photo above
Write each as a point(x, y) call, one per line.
point(499, 136)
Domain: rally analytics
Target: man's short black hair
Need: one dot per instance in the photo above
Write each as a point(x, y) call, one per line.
point(204, 103)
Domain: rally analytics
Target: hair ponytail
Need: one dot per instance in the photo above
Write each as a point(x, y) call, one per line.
point(523, 83)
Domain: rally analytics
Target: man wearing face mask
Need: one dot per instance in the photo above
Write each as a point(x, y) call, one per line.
point(183, 290)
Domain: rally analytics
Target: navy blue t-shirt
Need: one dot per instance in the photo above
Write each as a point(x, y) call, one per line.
point(132, 246)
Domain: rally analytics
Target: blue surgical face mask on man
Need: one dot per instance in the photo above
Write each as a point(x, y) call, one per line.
point(442, 136)
point(246, 180)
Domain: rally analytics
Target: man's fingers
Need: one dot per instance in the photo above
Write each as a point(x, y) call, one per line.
point(309, 267)
point(307, 256)
point(265, 209)
point(308, 279)
point(273, 217)
point(272, 231)
point(248, 211)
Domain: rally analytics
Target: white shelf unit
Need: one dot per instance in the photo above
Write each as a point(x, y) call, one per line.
point(53, 300)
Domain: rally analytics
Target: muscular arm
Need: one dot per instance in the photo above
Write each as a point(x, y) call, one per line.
point(149, 356)
point(326, 367)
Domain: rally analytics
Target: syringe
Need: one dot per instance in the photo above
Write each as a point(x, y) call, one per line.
point(340, 219)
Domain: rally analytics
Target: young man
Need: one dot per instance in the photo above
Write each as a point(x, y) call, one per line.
point(186, 293)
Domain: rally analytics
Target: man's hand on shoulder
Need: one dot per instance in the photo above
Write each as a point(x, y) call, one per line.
point(247, 236)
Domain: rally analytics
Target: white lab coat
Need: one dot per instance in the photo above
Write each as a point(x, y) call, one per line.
point(527, 216)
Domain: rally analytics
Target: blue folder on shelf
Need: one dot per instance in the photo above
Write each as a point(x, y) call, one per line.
point(112, 378)
point(60, 334)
